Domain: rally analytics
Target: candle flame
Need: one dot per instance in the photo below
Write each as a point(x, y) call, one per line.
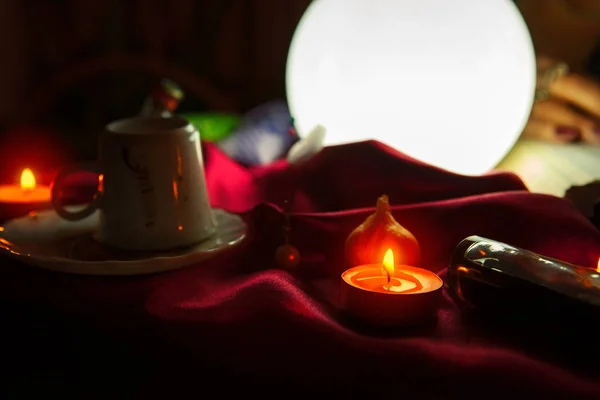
point(27, 179)
point(101, 183)
point(388, 262)
point(598, 265)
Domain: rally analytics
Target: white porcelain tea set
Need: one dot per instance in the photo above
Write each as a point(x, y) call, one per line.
point(151, 212)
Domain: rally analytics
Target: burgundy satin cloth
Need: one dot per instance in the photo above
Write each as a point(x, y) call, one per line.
point(238, 310)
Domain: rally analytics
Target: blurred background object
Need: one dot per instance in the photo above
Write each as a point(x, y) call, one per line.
point(69, 67)
point(559, 148)
point(552, 168)
point(264, 135)
point(214, 126)
point(163, 100)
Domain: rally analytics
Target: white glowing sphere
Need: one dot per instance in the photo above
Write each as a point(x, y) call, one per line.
point(450, 83)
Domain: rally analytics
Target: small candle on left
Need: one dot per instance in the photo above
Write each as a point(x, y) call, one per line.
point(26, 196)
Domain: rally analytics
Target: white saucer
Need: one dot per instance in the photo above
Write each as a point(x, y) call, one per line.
point(47, 241)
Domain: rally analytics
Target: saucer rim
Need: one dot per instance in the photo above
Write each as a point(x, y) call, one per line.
point(126, 267)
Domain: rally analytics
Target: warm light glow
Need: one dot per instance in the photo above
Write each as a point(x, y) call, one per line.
point(598, 265)
point(388, 262)
point(101, 183)
point(27, 180)
point(412, 74)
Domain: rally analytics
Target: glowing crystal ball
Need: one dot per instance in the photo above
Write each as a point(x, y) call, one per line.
point(450, 83)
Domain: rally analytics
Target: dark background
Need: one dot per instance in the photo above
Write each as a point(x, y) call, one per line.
point(71, 66)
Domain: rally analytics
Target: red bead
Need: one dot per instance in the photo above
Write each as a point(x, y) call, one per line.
point(287, 256)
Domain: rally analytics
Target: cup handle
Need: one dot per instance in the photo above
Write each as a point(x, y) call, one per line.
point(58, 184)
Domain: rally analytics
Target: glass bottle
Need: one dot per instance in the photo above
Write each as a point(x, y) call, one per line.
point(488, 275)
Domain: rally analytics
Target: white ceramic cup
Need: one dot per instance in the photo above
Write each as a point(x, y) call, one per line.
point(152, 191)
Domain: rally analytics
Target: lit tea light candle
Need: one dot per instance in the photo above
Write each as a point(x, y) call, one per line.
point(389, 294)
point(24, 197)
point(28, 191)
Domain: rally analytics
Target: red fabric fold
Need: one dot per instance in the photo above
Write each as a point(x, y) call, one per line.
point(260, 319)
point(239, 309)
point(342, 178)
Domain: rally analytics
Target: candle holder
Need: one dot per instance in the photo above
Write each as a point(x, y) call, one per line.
point(391, 295)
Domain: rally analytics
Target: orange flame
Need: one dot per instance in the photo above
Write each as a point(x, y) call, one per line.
point(388, 262)
point(101, 183)
point(27, 179)
point(598, 265)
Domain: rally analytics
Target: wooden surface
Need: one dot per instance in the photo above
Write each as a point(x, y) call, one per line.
point(552, 168)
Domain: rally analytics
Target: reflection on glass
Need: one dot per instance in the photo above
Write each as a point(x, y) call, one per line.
point(567, 279)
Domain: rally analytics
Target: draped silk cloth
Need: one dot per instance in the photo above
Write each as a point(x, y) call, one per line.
point(238, 324)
